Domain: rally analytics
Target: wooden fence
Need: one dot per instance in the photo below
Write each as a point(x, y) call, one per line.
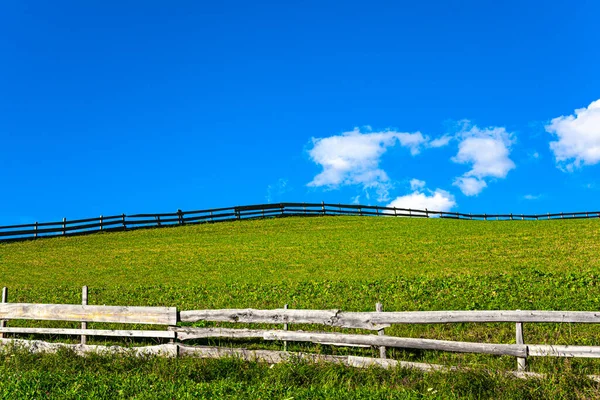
point(169, 318)
point(126, 222)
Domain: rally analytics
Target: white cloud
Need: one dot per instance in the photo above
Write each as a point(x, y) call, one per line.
point(487, 151)
point(439, 200)
point(440, 142)
point(470, 186)
point(276, 190)
point(578, 137)
point(353, 158)
point(416, 184)
point(532, 196)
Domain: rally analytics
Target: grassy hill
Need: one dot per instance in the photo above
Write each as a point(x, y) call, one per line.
point(336, 262)
point(346, 262)
point(303, 249)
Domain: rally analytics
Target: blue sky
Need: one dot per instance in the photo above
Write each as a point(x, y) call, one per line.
point(126, 107)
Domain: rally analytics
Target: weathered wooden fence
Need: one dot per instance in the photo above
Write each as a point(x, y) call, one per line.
point(126, 222)
point(377, 321)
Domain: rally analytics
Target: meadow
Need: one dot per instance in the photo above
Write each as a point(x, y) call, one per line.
point(348, 263)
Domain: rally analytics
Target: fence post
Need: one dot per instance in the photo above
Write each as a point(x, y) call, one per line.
point(511, 216)
point(180, 217)
point(4, 300)
point(304, 208)
point(101, 223)
point(84, 302)
point(521, 361)
point(395, 212)
point(485, 217)
point(282, 208)
point(64, 226)
point(561, 215)
point(323, 207)
point(36, 229)
point(211, 217)
point(382, 351)
point(158, 220)
point(426, 213)
point(123, 221)
point(237, 212)
point(548, 215)
point(285, 328)
point(360, 211)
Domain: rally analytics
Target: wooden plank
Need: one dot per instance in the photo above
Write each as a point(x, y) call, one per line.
point(81, 313)
point(390, 341)
point(351, 339)
point(539, 350)
point(188, 333)
point(521, 361)
point(278, 316)
point(4, 300)
point(439, 317)
point(92, 332)
point(380, 320)
point(275, 357)
point(39, 346)
point(368, 362)
point(268, 356)
point(285, 328)
point(84, 302)
point(381, 332)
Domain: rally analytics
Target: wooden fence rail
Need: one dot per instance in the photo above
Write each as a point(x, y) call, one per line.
point(169, 318)
point(126, 222)
point(380, 319)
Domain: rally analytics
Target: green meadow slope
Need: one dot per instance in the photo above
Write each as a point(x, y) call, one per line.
point(335, 262)
point(304, 249)
point(345, 262)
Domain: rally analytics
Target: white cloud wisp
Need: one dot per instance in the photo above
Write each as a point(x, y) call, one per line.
point(416, 184)
point(487, 151)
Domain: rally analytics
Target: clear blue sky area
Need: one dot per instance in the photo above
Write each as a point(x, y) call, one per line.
point(128, 107)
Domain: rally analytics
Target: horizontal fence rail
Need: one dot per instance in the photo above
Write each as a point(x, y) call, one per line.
point(127, 222)
point(380, 319)
point(73, 312)
point(170, 318)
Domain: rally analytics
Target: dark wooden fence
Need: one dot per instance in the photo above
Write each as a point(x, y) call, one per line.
point(126, 222)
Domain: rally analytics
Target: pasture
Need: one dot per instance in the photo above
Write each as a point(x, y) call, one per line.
point(348, 263)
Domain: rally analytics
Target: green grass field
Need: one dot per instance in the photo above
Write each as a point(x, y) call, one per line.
point(338, 262)
point(304, 249)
